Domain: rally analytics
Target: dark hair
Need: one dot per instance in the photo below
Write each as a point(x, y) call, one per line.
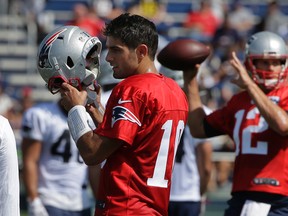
point(134, 30)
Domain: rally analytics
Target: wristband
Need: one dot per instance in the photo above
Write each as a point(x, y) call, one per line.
point(78, 122)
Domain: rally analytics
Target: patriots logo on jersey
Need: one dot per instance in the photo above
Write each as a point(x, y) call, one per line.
point(274, 99)
point(43, 55)
point(122, 113)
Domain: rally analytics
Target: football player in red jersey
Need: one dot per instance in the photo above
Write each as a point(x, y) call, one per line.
point(256, 118)
point(141, 128)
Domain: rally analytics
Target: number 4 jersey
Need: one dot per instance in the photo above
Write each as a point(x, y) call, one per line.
point(261, 153)
point(62, 177)
point(148, 112)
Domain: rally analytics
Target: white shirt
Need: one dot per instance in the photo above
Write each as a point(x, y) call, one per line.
point(104, 97)
point(62, 172)
point(9, 171)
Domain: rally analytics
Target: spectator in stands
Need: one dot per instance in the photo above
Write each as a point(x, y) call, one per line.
point(108, 9)
point(220, 8)
point(102, 7)
point(201, 24)
point(86, 18)
point(156, 11)
point(242, 19)
point(275, 20)
point(225, 39)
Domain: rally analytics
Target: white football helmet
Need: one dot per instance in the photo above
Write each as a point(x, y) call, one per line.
point(69, 54)
point(266, 45)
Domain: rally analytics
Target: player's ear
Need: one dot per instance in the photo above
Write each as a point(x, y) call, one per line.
point(141, 51)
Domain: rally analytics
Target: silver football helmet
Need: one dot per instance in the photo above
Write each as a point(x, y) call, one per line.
point(266, 45)
point(69, 54)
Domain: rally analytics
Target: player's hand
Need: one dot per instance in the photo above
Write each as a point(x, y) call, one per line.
point(70, 96)
point(190, 77)
point(191, 72)
point(243, 79)
point(96, 112)
point(36, 208)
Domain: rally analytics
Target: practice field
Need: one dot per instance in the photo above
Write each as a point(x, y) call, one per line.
point(217, 201)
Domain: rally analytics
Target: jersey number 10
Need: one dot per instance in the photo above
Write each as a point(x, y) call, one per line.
point(158, 178)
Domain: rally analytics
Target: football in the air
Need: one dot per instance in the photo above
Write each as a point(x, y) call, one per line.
point(183, 54)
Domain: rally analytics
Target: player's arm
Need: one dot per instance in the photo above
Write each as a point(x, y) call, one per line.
point(196, 112)
point(274, 115)
point(94, 177)
point(31, 150)
point(94, 149)
point(204, 164)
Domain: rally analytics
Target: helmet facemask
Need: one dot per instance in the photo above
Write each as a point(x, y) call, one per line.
point(267, 79)
point(266, 45)
point(55, 82)
point(92, 64)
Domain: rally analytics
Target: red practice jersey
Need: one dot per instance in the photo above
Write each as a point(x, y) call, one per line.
point(261, 153)
point(148, 112)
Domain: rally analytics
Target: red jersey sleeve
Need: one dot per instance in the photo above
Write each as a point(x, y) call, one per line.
point(125, 111)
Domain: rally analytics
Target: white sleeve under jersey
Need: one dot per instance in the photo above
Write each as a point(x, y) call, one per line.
point(63, 176)
point(105, 96)
point(9, 172)
point(185, 183)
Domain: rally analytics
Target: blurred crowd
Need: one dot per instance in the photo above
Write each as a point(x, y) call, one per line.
point(223, 25)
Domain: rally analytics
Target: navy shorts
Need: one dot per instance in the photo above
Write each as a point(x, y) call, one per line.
point(52, 211)
point(184, 208)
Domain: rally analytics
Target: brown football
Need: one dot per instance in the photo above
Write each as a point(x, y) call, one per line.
point(183, 54)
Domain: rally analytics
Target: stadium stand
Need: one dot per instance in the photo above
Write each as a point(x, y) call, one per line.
point(178, 9)
point(17, 55)
point(18, 35)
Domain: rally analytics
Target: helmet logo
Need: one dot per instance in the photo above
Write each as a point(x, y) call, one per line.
point(43, 55)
